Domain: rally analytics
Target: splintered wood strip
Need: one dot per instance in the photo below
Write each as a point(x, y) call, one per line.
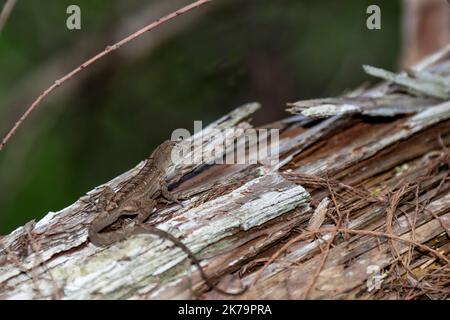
point(230, 128)
point(421, 85)
point(430, 116)
point(293, 144)
point(364, 140)
point(385, 106)
point(318, 217)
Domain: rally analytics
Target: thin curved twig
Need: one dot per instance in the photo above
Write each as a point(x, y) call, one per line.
point(94, 59)
point(6, 11)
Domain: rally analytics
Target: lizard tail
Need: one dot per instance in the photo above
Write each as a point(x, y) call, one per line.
point(165, 235)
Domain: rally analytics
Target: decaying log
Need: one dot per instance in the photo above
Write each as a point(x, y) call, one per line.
point(54, 254)
point(357, 207)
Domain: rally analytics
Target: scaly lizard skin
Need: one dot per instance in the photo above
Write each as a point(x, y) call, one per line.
point(138, 196)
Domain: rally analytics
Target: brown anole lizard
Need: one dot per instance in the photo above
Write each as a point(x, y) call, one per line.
point(138, 197)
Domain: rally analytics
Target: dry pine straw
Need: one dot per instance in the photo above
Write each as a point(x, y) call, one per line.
point(392, 201)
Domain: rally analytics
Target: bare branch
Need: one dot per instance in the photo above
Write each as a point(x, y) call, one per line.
point(94, 59)
point(6, 11)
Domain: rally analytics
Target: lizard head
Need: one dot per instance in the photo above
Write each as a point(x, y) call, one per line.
point(162, 155)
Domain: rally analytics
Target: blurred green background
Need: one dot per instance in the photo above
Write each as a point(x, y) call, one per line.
point(198, 67)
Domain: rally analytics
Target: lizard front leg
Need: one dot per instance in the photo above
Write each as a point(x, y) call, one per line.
point(143, 208)
point(104, 196)
point(167, 195)
point(146, 208)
